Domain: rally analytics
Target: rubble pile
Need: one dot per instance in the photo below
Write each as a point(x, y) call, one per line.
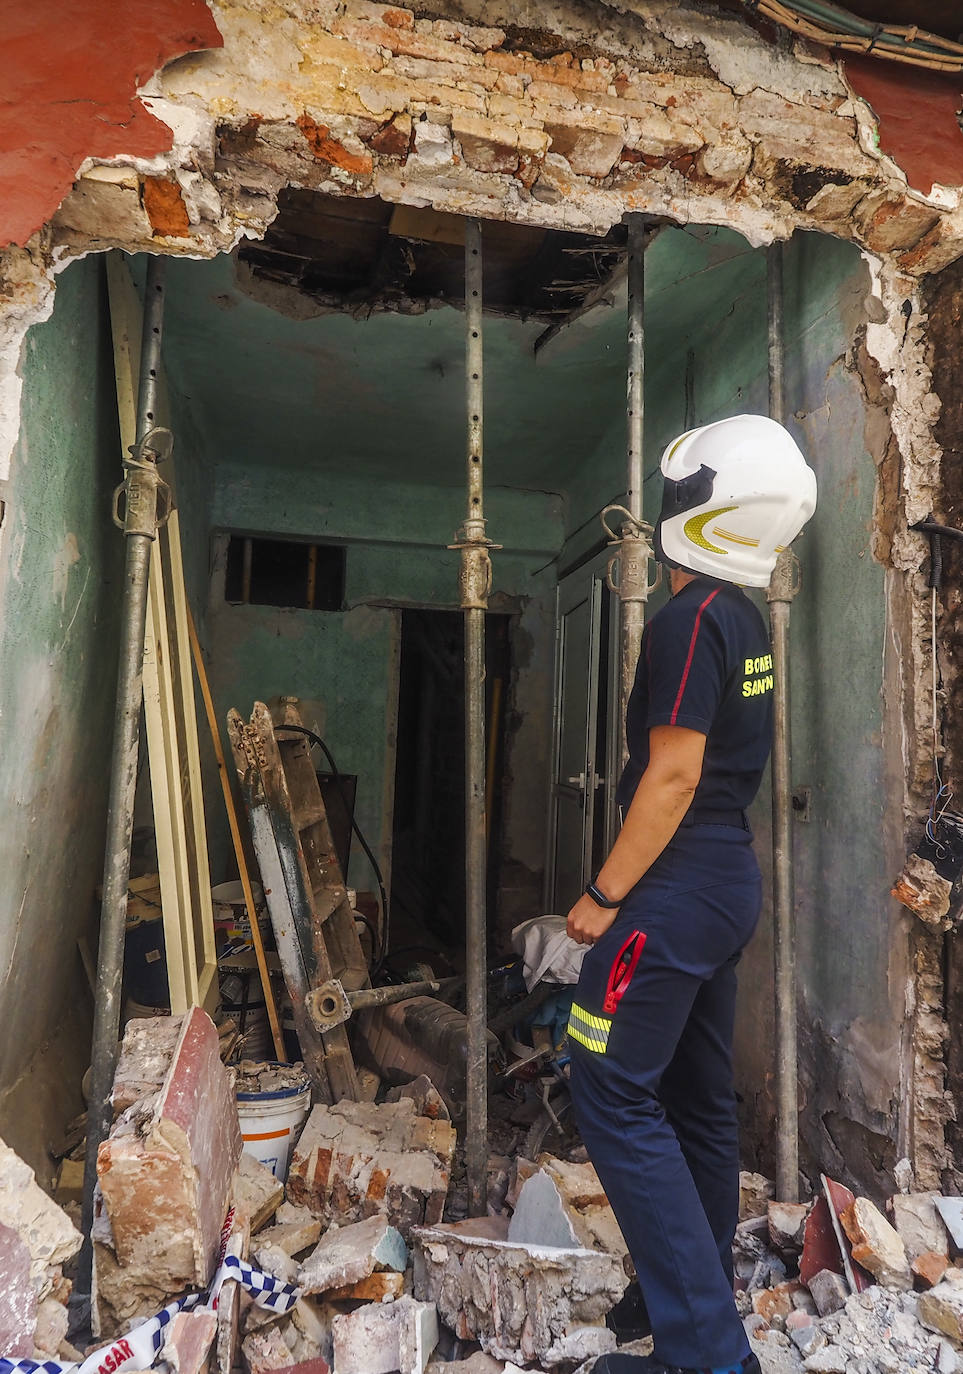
point(357, 1266)
point(36, 1240)
point(835, 1287)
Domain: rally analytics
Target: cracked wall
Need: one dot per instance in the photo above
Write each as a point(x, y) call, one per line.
point(564, 117)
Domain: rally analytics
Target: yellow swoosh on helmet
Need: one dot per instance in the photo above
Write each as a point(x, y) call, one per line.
point(693, 528)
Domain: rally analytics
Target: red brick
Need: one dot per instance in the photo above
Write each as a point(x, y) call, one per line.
point(165, 208)
point(327, 149)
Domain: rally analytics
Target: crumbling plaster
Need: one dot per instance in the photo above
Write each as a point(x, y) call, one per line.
point(565, 118)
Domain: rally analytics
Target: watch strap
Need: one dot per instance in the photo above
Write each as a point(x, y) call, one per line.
point(599, 897)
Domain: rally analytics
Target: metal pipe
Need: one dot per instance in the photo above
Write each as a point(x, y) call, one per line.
point(633, 577)
point(782, 589)
point(476, 579)
point(142, 488)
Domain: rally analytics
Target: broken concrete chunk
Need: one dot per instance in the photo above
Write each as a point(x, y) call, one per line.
point(47, 1232)
point(941, 1309)
point(146, 1052)
point(832, 1359)
point(426, 1097)
point(257, 1193)
point(829, 1291)
point(274, 1261)
point(383, 1338)
point(189, 1338)
point(521, 1303)
point(919, 1224)
point(345, 1255)
point(479, 1363)
point(778, 1302)
point(52, 1323)
point(166, 1175)
point(787, 1224)
point(265, 1350)
point(18, 1297)
point(354, 1158)
point(923, 891)
point(299, 1229)
point(755, 1193)
point(876, 1245)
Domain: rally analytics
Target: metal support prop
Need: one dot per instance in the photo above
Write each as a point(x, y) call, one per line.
point(781, 591)
point(634, 548)
point(147, 506)
point(475, 583)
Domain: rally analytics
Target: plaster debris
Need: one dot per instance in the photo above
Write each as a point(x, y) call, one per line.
point(755, 1194)
point(521, 1302)
point(348, 1254)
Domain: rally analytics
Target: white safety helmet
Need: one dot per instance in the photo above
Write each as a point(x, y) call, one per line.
point(736, 494)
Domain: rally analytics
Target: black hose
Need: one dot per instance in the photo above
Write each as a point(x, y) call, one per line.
point(382, 944)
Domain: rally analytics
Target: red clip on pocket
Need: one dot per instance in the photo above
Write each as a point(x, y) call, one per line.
point(623, 968)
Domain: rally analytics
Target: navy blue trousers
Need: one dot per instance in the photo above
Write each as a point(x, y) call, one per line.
point(651, 1041)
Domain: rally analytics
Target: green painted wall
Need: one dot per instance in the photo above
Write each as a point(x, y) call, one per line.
point(60, 586)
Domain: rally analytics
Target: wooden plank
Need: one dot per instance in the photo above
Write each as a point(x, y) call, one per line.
point(277, 1034)
point(172, 742)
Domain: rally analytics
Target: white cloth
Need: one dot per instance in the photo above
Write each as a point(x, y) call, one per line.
point(547, 952)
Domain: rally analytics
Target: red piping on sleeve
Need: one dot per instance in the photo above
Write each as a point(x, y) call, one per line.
point(688, 662)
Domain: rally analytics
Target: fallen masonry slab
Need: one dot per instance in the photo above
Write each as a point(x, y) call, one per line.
point(167, 1168)
point(385, 1337)
point(585, 1204)
point(359, 1158)
point(145, 1058)
point(521, 1303)
point(929, 1268)
point(347, 1254)
point(876, 1245)
point(919, 1224)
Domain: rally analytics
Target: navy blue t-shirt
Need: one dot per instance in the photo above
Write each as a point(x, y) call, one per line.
point(706, 663)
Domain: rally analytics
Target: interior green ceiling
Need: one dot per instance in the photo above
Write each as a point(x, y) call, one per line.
point(384, 396)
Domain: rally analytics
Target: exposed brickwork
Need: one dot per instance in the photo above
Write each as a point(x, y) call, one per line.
point(165, 208)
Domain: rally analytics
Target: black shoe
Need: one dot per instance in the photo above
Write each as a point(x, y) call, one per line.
point(618, 1363)
point(629, 1318)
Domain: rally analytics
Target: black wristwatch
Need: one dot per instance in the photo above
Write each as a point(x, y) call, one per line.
point(599, 897)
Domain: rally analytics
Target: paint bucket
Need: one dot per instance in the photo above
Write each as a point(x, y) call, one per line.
point(271, 1123)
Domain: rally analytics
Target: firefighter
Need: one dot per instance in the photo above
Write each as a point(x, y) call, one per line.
point(678, 897)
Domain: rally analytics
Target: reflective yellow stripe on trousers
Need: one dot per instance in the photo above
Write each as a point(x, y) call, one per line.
point(590, 1031)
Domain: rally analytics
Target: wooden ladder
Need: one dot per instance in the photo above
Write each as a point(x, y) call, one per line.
point(313, 922)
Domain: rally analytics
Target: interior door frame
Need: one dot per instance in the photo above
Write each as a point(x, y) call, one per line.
point(586, 581)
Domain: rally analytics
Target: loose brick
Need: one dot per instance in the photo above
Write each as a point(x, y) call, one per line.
point(394, 138)
point(327, 149)
point(787, 1224)
point(829, 1291)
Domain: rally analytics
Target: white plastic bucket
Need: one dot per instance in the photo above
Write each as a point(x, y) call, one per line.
point(271, 1123)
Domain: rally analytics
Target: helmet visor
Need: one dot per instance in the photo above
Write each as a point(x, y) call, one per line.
point(680, 496)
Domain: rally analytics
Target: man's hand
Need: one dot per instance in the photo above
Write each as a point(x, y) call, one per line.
point(588, 922)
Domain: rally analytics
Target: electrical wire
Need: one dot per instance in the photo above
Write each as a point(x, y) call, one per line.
point(828, 23)
point(382, 944)
point(942, 795)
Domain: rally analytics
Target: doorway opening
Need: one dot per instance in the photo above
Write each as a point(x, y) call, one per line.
point(428, 848)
